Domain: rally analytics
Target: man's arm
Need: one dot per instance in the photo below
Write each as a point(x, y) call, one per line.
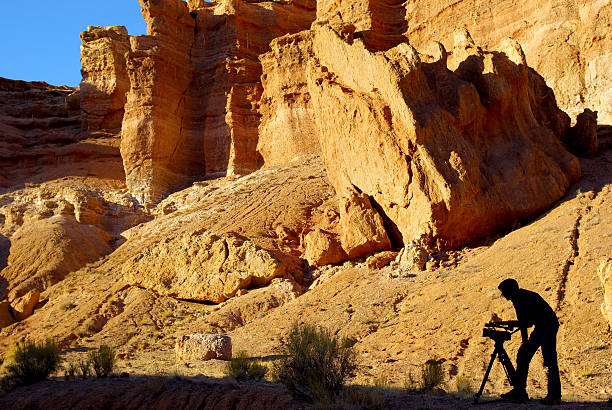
point(524, 335)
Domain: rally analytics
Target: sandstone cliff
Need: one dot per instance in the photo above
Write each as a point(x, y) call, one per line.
point(105, 81)
point(568, 43)
point(449, 150)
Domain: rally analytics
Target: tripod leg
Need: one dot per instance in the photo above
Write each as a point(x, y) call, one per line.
point(508, 367)
point(486, 376)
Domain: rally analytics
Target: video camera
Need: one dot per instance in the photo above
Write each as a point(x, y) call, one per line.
point(500, 331)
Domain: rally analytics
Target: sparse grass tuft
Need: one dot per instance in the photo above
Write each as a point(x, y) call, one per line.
point(411, 382)
point(359, 397)
point(241, 367)
point(381, 382)
point(102, 360)
point(84, 366)
point(464, 386)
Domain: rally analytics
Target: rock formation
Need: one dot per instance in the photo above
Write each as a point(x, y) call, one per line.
point(35, 119)
point(43, 252)
point(157, 154)
point(199, 346)
point(582, 137)
point(202, 266)
point(569, 43)
point(195, 85)
point(381, 24)
point(437, 151)
point(105, 80)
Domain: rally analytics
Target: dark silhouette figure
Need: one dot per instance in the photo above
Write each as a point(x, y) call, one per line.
point(532, 310)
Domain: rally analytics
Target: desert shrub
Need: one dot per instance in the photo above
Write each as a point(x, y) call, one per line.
point(70, 370)
point(432, 374)
point(316, 364)
point(464, 386)
point(67, 305)
point(84, 366)
point(102, 360)
point(30, 362)
point(241, 367)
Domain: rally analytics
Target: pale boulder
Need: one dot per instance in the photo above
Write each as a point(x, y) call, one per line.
point(323, 248)
point(363, 232)
point(202, 266)
point(200, 346)
point(24, 306)
point(413, 257)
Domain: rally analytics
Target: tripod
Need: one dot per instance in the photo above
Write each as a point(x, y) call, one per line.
point(504, 359)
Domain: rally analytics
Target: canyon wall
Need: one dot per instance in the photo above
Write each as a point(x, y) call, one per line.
point(105, 81)
point(568, 43)
point(446, 156)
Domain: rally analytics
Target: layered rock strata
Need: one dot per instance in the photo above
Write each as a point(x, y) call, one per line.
point(202, 266)
point(195, 88)
point(158, 155)
point(380, 23)
point(105, 80)
point(36, 120)
point(569, 43)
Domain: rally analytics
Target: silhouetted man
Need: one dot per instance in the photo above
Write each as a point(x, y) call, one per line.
point(532, 310)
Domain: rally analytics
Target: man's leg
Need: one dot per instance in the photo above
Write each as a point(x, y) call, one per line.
point(523, 358)
point(549, 353)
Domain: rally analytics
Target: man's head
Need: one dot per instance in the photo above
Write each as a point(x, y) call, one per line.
point(509, 288)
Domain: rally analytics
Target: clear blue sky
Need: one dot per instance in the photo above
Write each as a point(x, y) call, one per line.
point(39, 39)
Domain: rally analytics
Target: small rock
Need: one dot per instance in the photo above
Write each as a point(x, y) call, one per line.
point(199, 346)
point(24, 306)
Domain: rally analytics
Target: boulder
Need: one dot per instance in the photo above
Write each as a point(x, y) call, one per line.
point(381, 259)
point(448, 157)
point(362, 229)
point(199, 346)
point(243, 309)
point(413, 257)
point(202, 266)
point(605, 275)
point(323, 248)
point(24, 306)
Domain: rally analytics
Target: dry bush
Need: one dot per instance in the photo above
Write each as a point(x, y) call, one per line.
point(29, 362)
point(102, 360)
point(316, 364)
point(464, 386)
point(241, 367)
point(432, 374)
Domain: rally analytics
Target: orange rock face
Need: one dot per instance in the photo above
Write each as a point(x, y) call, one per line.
point(105, 81)
point(156, 150)
point(448, 150)
point(569, 44)
point(35, 120)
